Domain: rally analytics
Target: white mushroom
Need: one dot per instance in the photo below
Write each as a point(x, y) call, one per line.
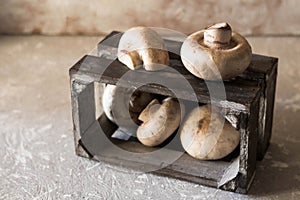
point(159, 121)
point(143, 46)
point(107, 100)
point(121, 111)
point(202, 140)
point(216, 53)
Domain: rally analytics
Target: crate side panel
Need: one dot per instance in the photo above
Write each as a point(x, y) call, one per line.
point(83, 110)
point(268, 101)
point(248, 155)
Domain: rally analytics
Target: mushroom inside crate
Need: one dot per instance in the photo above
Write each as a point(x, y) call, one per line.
point(208, 135)
point(153, 119)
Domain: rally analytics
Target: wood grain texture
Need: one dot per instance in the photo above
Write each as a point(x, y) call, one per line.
point(110, 71)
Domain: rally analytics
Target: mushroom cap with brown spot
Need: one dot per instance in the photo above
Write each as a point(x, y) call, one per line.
point(219, 63)
point(200, 138)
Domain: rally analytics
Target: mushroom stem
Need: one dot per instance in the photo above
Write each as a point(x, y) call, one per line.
point(217, 35)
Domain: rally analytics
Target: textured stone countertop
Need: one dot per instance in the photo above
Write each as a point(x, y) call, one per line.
point(36, 146)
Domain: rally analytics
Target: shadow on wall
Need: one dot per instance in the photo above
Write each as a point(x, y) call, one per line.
point(102, 16)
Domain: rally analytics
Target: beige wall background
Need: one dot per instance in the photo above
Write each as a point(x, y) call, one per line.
point(55, 17)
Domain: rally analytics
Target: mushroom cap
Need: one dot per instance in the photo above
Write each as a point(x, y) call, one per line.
point(200, 138)
point(212, 55)
point(143, 46)
point(159, 121)
point(114, 103)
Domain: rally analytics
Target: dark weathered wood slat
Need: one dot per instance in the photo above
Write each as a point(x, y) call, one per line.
point(96, 68)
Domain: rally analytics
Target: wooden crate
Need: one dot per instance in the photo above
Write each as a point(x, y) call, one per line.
point(249, 105)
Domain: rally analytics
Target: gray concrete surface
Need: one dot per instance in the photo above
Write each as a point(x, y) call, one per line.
point(36, 141)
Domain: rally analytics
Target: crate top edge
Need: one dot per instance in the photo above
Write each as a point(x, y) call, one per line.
point(87, 70)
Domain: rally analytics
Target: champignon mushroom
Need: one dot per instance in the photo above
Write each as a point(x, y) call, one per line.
point(216, 53)
point(114, 104)
point(159, 121)
point(202, 140)
point(143, 46)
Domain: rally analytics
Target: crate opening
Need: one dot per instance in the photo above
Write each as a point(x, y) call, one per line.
point(123, 140)
point(132, 144)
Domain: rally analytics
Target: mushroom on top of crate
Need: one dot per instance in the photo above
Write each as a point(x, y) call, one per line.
point(216, 53)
